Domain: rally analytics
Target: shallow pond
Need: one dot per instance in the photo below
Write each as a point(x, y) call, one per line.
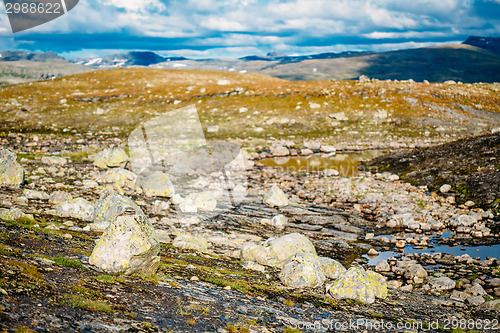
point(345, 163)
point(481, 251)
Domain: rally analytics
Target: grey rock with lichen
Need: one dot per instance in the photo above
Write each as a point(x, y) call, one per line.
point(11, 172)
point(110, 205)
point(111, 158)
point(302, 270)
point(129, 245)
point(78, 208)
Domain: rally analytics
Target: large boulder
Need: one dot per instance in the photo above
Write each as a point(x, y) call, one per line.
point(276, 251)
point(302, 270)
point(11, 172)
point(360, 285)
point(77, 208)
point(109, 206)
point(275, 197)
point(128, 246)
point(156, 184)
point(332, 268)
point(111, 158)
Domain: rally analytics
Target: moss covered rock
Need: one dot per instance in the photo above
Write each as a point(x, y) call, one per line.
point(128, 246)
point(111, 158)
point(276, 251)
point(77, 208)
point(302, 270)
point(331, 268)
point(156, 184)
point(11, 172)
point(109, 206)
point(14, 214)
point(360, 285)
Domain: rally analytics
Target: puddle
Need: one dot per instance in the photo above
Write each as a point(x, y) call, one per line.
point(482, 252)
point(345, 163)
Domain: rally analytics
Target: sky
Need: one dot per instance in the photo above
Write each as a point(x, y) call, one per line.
point(236, 28)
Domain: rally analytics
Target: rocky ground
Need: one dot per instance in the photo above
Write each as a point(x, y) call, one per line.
point(470, 166)
point(294, 254)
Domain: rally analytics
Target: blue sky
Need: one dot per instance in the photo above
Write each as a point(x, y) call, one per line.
point(235, 28)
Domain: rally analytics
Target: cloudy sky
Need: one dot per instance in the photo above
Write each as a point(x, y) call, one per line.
point(235, 28)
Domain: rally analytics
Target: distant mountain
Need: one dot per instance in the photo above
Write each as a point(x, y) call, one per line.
point(475, 60)
point(488, 43)
point(31, 56)
point(134, 58)
point(290, 59)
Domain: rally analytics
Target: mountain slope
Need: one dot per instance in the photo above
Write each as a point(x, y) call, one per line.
point(488, 43)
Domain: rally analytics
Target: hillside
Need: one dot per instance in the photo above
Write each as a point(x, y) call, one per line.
point(256, 108)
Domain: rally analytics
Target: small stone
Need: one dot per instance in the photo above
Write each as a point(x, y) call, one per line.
point(77, 208)
point(195, 278)
point(275, 197)
point(68, 236)
point(213, 129)
point(156, 184)
point(111, 158)
point(475, 300)
point(279, 221)
point(469, 203)
point(253, 266)
point(400, 243)
point(279, 151)
point(416, 271)
point(442, 283)
point(328, 149)
point(227, 288)
point(382, 266)
point(445, 188)
point(394, 284)
point(373, 252)
point(408, 288)
point(306, 152)
point(369, 236)
point(59, 196)
point(35, 195)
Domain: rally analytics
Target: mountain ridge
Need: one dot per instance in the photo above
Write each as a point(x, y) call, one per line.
point(475, 60)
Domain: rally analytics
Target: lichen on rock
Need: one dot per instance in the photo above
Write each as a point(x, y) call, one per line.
point(11, 172)
point(128, 246)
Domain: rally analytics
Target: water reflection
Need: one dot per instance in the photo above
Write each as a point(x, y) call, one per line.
point(345, 163)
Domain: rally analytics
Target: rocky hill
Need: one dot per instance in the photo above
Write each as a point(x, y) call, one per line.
point(488, 43)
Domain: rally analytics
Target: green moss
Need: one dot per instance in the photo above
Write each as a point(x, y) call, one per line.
point(86, 292)
point(236, 329)
point(66, 262)
point(109, 279)
point(82, 302)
